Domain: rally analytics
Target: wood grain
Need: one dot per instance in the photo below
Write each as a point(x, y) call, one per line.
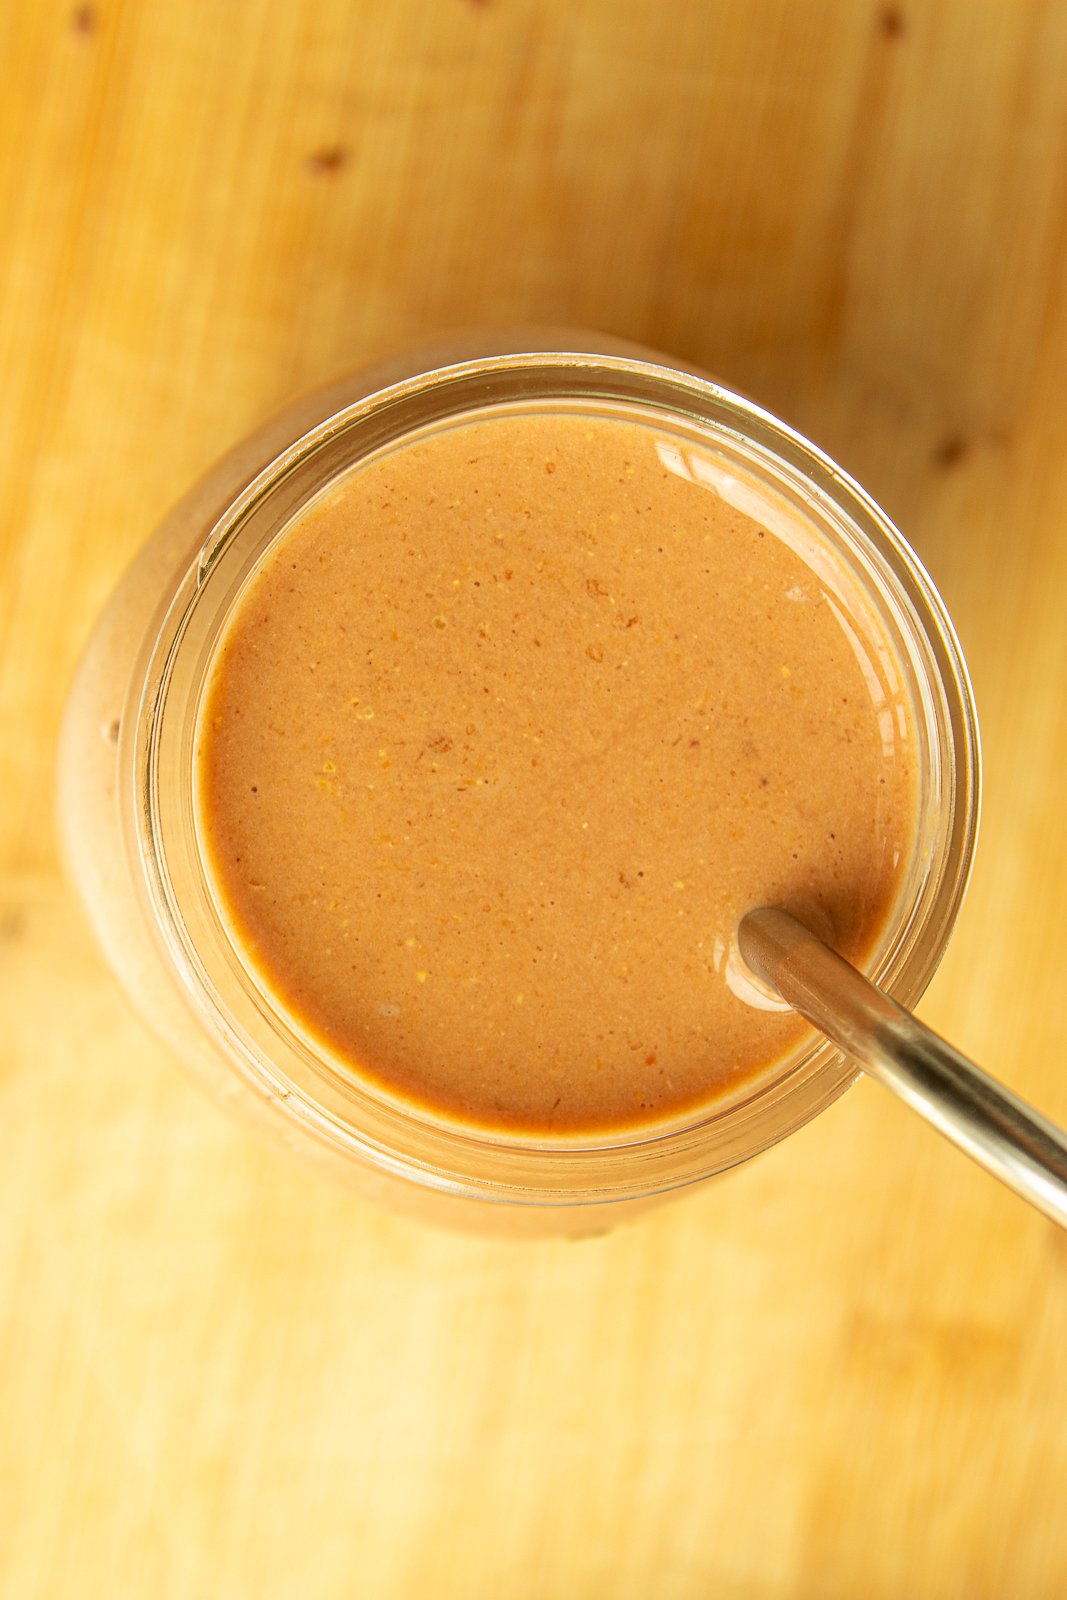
point(841, 1371)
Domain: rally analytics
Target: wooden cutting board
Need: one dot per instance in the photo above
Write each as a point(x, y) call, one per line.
point(840, 1372)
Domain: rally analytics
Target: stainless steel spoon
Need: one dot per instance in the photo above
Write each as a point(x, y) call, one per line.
point(992, 1125)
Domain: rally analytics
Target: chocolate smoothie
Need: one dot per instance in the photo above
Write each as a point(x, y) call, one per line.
point(504, 737)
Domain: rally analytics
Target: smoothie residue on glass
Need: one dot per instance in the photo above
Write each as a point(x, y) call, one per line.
point(502, 739)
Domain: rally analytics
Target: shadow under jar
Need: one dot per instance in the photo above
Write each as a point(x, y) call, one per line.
point(622, 735)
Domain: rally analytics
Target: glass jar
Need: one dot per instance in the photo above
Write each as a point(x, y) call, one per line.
point(125, 783)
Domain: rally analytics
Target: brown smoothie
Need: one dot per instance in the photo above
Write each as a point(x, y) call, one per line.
point(505, 736)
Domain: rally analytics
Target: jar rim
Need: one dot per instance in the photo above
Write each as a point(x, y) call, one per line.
point(169, 679)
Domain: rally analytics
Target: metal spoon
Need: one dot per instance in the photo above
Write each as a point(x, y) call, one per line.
point(992, 1125)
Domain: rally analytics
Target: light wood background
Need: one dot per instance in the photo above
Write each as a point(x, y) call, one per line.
point(841, 1373)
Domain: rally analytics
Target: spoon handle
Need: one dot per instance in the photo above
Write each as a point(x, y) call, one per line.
point(992, 1125)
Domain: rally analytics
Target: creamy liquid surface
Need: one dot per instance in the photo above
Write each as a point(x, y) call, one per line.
point(504, 738)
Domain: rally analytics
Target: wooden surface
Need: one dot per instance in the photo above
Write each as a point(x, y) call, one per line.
point(842, 1372)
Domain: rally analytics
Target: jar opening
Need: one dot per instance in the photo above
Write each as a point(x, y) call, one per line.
point(888, 615)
